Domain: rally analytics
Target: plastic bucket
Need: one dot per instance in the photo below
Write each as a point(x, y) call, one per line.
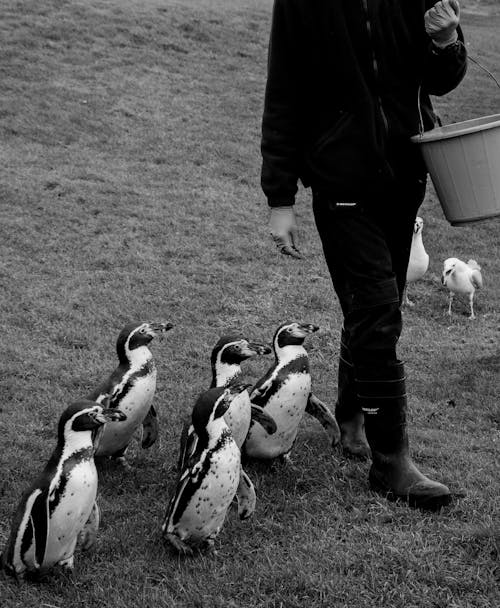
point(463, 160)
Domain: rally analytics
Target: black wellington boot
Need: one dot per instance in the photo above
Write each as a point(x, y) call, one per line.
point(393, 472)
point(350, 418)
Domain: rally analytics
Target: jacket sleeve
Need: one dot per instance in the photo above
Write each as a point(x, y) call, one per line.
point(445, 68)
point(280, 144)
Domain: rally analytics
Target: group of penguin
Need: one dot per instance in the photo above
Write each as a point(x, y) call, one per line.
point(458, 277)
point(59, 511)
point(229, 420)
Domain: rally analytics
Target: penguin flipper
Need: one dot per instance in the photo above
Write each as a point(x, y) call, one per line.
point(150, 428)
point(260, 390)
point(260, 415)
point(245, 495)
point(88, 535)
point(39, 519)
point(188, 443)
point(317, 409)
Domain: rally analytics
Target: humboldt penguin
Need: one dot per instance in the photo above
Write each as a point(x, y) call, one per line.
point(285, 393)
point(210, 478)
point(60, 506)
point(226, 359)
point(130, 389)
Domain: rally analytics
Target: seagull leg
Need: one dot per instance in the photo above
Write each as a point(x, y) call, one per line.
point(451, 300)
point(471, 298)
point(406, 299)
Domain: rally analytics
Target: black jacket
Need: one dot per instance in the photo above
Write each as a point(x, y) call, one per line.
point(341, 102)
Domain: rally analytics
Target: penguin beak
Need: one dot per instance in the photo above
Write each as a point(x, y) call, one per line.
point(236, 389)
point(160, 327)
point(264, 419)
point(260, 349)
point(308, 328)
point(110, 415)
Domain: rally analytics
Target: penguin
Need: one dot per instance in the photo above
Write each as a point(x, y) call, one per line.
point(130, 388)
point(60, 507)
point(226, 359)
point(285, 393)
point(210, 478)
point(419, 259)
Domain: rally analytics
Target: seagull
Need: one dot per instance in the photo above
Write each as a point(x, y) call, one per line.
point(460, 277)
point(419, 258)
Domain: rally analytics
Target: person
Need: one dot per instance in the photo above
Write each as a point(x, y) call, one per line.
point(348, 84)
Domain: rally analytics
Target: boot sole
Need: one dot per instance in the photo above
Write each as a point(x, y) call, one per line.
point(425, 502)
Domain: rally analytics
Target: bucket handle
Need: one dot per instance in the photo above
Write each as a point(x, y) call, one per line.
point(476, 62)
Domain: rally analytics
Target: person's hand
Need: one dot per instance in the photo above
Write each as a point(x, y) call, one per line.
point(283, 229)
point(441, 22)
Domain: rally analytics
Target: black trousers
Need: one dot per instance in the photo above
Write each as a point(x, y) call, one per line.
point(367, 247)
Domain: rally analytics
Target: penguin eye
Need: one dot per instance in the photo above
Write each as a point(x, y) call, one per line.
point(142, 330)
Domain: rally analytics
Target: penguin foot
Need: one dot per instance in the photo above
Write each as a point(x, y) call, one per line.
point(245, 494)
point(9, 570)
point(245, 513)
point(178, 544)
point(286, 460)
point(86, 539)
point(209, 546)
point(67, 564)
point(123, 462)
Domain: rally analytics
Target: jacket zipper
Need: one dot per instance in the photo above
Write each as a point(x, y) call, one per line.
point(375, 65)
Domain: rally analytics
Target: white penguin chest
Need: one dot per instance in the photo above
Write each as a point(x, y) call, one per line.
point(238, 417)
point(71, 512)
point(206, 511)
point(286, 406)
point(135, 403)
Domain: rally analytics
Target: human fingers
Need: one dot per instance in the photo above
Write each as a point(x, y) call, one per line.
point(285, 246)
point(445, 10)
point(455, 6)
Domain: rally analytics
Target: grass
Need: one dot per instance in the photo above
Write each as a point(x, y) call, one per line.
point(130, 189)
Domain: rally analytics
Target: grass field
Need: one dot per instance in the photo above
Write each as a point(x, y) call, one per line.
point(130, 190)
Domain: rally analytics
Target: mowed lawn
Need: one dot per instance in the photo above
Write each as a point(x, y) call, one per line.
point(129, 189)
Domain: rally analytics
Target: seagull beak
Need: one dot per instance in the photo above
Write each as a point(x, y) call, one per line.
point(446, 274)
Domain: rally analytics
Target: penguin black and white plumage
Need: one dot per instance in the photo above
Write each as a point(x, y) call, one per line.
point(210, 478)
point(130, 389)
point(284, 392)
point(226, 359)
point(60, 506)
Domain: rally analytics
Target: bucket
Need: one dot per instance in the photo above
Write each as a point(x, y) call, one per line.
point(463, 160)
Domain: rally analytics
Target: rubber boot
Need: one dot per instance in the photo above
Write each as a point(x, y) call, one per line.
point(348, 412)
point(393, 472)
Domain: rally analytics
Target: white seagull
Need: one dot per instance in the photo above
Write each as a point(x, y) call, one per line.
point(419, 258)
point(460, 277)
